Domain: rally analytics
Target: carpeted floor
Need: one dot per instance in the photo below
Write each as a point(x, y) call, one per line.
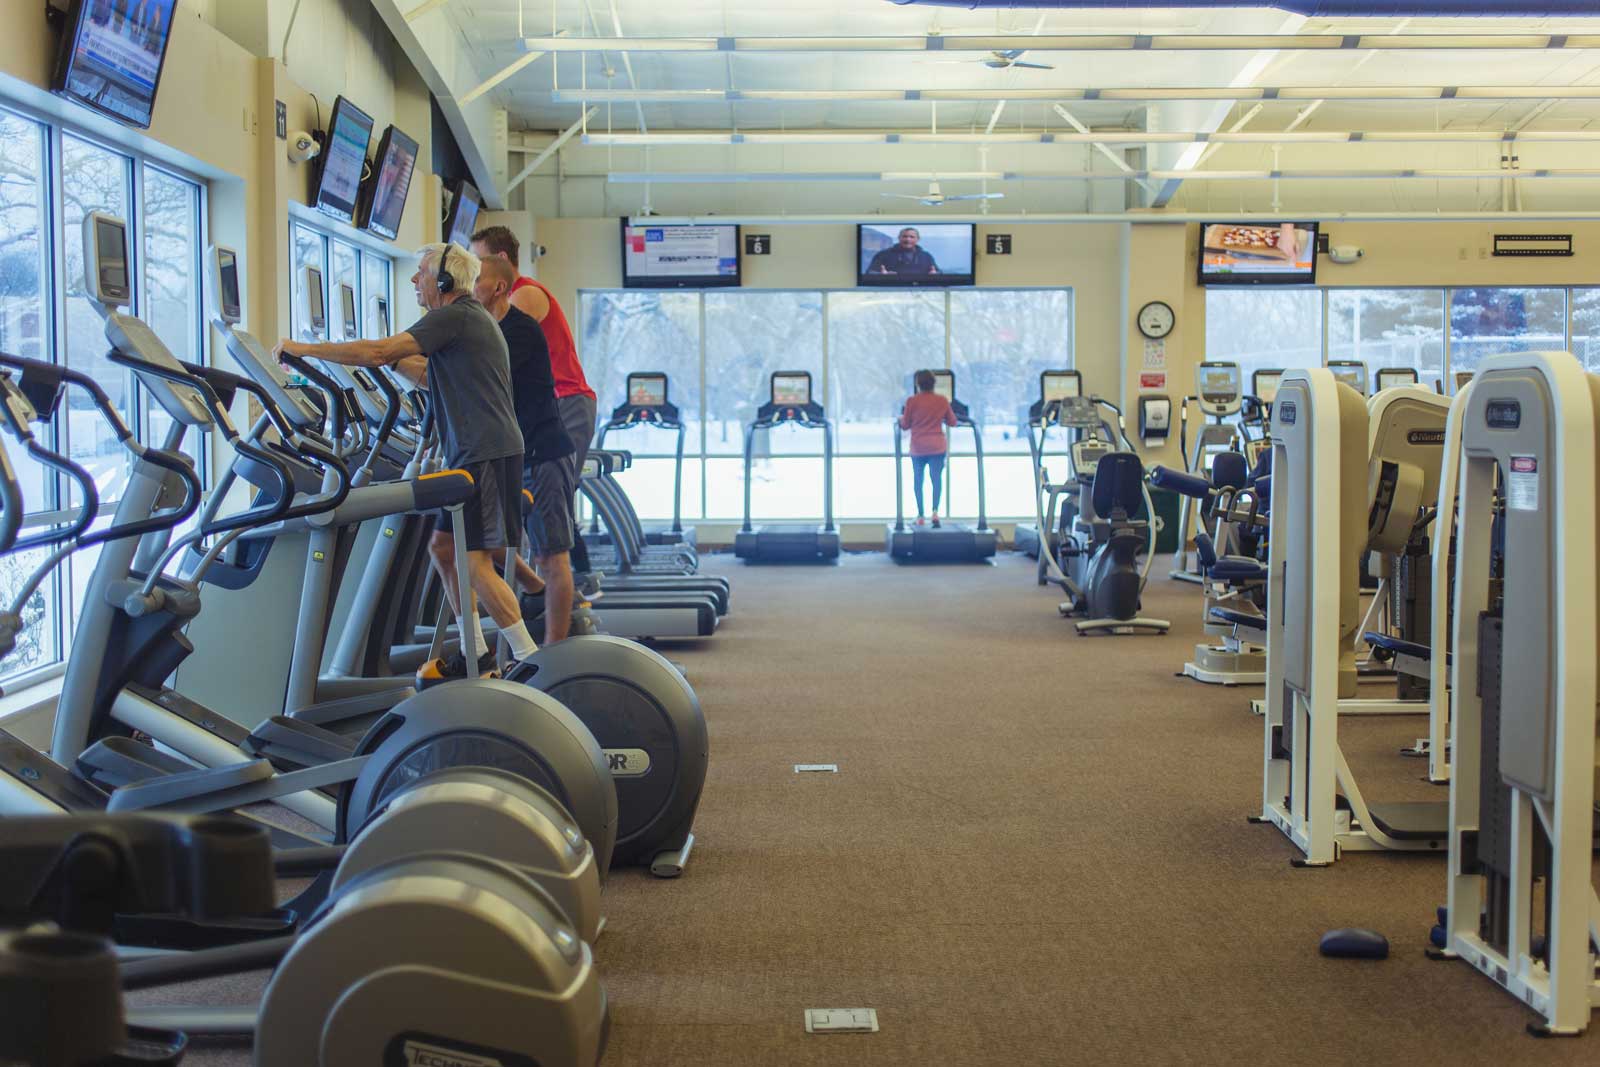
point(1034, 852)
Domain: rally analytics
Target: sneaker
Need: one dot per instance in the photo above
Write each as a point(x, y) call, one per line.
point(921, 521)
point(588, 586)
point(936, 522)
point(452, 668)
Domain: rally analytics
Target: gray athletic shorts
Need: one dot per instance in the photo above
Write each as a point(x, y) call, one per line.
point(552, 483)
point(492, 511)
point(577, 415)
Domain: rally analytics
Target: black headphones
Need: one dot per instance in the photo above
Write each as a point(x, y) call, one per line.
point(445, 280)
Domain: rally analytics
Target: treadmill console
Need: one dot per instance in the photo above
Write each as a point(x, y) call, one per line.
point(1391, 377)
point(1264, 385)
point(1221, 388)
point(1057, 385)
point(647, 390)
point(791, 400)
point(1351, 372)
point(646, 404)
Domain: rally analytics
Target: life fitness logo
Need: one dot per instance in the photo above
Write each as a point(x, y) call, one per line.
point(422, 1055)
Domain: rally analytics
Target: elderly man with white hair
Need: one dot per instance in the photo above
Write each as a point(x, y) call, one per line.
point(456, 350)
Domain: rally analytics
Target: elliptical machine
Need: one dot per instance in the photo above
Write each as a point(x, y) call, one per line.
point(1097, 562)
point(1220, 398)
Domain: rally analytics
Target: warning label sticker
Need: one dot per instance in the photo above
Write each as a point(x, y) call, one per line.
point(1522, 484)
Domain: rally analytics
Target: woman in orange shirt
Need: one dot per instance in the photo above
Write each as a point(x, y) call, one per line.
point(926, 414)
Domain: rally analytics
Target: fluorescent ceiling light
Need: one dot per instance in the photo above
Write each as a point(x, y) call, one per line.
point(1128, 137)
point(1128, 93)
point(1476, 174)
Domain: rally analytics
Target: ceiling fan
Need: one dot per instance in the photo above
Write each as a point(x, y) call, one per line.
point(1011, 57)
point(934, 198)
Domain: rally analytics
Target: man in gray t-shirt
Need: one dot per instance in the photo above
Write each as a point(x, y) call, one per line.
point(458, 350)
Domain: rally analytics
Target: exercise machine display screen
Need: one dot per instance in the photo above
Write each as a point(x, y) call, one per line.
point(380, 308)
point(1390, 377)
point(647, 390)
point(347, 311)
point(1462, 377)
point(1220, 382)
point(1057, 385)
point(316, 312)
point(228, 301)
point(1351, 373)
point(108, 261)
point(791, 390)
point(944, 383)
point(1264, 383)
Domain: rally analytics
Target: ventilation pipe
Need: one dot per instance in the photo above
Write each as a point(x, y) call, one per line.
point(1315, 8)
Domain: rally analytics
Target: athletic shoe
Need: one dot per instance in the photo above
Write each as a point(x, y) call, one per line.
point(588, 586)
point(936, 522)
point(452, 668)
point(921, 521)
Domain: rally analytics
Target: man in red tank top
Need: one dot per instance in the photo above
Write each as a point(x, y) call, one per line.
point(576, 400)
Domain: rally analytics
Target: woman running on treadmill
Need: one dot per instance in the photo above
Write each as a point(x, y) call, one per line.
point(926, 414)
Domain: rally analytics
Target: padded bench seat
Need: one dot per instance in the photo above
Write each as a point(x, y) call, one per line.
point(1239, 618)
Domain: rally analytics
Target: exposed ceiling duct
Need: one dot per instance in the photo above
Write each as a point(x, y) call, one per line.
point(1314, 8)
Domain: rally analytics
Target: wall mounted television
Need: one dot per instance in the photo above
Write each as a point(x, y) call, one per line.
point(461, 221)
point(680, 257)
point(383, 201)
point(1253, 253)
point(336, 185)
point(112, 53)
point(915, 254)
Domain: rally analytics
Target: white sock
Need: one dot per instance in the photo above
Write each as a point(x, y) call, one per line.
point(522, 643)
point(476, 630)
point(477, 633)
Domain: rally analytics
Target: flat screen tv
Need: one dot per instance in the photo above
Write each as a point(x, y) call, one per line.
point(383, 200)
point(461, 221)
point(342, 161)
point(679, 257)
point(112, 52)
point(1258, 254)
point(914, 254)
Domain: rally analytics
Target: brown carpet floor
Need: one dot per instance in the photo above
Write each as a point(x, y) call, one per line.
point(1034, 852)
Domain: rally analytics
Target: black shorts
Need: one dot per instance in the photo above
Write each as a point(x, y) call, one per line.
point(549, 525)
point(494, 511)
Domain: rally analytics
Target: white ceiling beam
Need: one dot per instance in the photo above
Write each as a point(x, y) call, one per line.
point(1098, 138)
point(424, 8)
point(1318, 42)
point(549, 150)
point(1423, 174)
point(1131, 94)
point(510, 69)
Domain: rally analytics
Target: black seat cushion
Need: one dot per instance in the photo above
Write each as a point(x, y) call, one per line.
point(1118, 481)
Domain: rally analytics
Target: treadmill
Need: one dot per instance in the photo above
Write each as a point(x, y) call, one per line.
point(1055, 386)
point(790, 404)
point(950, 542)
point(647, 405)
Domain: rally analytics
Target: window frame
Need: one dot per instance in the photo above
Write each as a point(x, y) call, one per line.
point(53, 133)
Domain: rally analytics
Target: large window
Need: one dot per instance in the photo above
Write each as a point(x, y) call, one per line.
point(50, 178)
point(1399, 327)
point(368, 273)
point(861, 349)
point(1264, 328)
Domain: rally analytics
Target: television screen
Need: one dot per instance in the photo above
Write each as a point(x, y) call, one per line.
point(384, 200)
point(342, 160)
point(111, 56)
point(462, 220)
point(899, 254)
point(647, 390)
point(1247, 254)
point(679, 257)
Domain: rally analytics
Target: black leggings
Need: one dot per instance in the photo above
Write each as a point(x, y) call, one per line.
point(934, 465)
